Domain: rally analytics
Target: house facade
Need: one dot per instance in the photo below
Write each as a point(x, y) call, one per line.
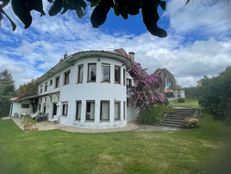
point(86, 90)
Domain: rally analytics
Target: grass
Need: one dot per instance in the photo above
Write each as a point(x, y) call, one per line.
point(189, 103)
point(187, 151)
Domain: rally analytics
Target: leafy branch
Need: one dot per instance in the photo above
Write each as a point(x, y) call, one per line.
point(124, 8)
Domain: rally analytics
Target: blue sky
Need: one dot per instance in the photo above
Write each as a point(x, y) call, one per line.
point(198, 42)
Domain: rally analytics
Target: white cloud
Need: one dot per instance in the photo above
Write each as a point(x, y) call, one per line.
point(29, 53)
point(206, 17)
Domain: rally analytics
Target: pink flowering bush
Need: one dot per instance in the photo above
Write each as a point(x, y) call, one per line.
point(146, 90)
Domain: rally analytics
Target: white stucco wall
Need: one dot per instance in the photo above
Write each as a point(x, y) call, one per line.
point(17, 108)
point(95, 91)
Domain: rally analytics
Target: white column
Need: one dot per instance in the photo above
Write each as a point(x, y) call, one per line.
point(83, 112)
point(97, 111)
point(98, 72)
point(112, 74)
point(112, 113)
point(85, 74)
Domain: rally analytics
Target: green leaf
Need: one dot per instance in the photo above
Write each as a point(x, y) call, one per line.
point(99, 14)
point(151, 17)
point(55, 8)
point(21, 10)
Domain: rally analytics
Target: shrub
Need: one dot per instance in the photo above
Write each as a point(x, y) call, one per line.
point(191, 122)
point(152, 115)
point(180, 100)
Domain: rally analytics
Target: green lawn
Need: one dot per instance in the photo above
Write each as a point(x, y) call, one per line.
point(189, 103)
point(181, 152)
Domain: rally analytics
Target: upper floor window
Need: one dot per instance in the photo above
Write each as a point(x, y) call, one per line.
point(64, 108)
point(117, 74)
point(124, 77)
point(57, 82)
point(45, 90)
point(105, 69)
point(129, 83)
point(66, 79)
point(41, 89)
point(91, 72)
point(80, 74)
point(51, 82)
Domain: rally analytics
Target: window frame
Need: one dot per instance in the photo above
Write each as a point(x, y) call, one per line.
point(57, 81)
point(25, 104)
point(102, 72)
point(46, 87)
point(64, 111)
point(115, 76)
point(104, 101)
point(88, 73)
point(66, 81)
point(78, 74)
point(117, 102)
point(89, 101)
point(78, 117)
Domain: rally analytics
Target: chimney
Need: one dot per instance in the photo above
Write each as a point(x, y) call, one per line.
point(132, 56)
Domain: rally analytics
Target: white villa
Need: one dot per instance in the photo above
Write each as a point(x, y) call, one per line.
point(86, 90)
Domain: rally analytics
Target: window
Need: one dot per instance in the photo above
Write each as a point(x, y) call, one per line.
point(91, 72)
point(117, 110)
point(129, 83)
point(25, 105)
point(105, 69)
point(124, 77)
point(65, 109)
point(41, 89)
point(51, 82)
point(117, 74)
point(78, 110)
point(66, 78)
point(80, 74)
point(90, 110)
point(45, 90)
point(57, 82)
point(124, 105)
point(104, 110)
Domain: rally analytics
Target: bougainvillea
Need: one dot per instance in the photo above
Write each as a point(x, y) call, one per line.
point(146, 89)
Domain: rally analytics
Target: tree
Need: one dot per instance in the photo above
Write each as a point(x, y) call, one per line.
point(124, 8)
point(7, 90)
point(215, 95)
point(167, 78)
point(146, 90)
point(28, 89)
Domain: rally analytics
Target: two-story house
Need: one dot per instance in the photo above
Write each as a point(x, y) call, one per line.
point(86, 89)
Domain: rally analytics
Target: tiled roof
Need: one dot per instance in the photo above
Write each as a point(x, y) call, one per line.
point(119, 53)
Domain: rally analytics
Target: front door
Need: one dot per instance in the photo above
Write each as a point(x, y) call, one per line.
point(54, 110)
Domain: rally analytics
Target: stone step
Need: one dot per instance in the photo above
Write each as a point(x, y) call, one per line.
point(176, 118)
point(173, 125)
point(173, 120)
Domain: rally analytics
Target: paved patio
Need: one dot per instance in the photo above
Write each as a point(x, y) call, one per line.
point(131, 126)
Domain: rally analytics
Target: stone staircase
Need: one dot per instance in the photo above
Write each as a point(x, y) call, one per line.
point(176, 118)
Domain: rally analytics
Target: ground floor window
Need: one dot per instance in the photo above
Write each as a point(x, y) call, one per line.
point(104, 110)
point(78, 110)
point(90, 110)
point(25, 105)
point(64, 108)
point(117, 110)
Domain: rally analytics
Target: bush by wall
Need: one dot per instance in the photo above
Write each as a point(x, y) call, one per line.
point(153, 115)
